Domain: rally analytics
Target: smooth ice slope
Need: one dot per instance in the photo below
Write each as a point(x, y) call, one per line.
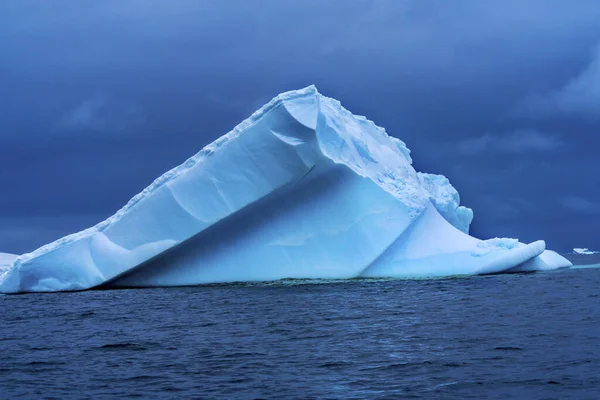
point(301, 189)
point(548, 260)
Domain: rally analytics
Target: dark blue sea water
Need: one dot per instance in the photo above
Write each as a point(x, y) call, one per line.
point(532, 336)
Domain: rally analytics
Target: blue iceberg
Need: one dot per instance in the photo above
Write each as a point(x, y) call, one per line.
point(301, 189)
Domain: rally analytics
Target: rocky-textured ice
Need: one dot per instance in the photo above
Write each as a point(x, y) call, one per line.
point(446, 200)
point(301, 189)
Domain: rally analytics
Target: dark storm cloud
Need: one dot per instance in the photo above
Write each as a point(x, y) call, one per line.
point(580, 205)
point(99, 98)
point(579, 97)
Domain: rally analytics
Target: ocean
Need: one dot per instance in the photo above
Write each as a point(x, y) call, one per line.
point(530, 336)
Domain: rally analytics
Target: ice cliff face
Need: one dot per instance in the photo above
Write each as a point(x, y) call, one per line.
point(301, 189)
point(446, 200)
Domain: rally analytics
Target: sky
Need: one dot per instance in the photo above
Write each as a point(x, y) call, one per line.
point(98, 98)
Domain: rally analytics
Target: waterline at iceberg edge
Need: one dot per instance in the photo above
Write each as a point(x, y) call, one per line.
point(301, 189)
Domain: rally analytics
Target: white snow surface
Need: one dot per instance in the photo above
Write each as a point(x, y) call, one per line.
point(584, 251)
point(301, 189)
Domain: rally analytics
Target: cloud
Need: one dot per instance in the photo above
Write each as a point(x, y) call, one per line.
point(424, 69)
point(86, 115)
point(580, 205)
point(499, 207)
point(98, 114)
point(518, 141)
point(578, 97)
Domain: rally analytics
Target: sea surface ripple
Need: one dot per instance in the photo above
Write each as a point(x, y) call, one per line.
point(519, 336)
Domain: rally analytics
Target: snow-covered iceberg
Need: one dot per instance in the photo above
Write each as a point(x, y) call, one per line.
point(301, 189)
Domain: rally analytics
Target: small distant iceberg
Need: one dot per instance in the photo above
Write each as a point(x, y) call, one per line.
point(584, 251)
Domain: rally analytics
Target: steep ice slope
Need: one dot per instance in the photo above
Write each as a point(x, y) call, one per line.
point(301, 189)
point(446, 200)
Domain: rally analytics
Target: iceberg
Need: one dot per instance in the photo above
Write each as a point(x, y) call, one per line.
point(584, 251)
point(301, 189)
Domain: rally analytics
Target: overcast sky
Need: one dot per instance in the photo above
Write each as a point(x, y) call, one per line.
point(98, 98)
